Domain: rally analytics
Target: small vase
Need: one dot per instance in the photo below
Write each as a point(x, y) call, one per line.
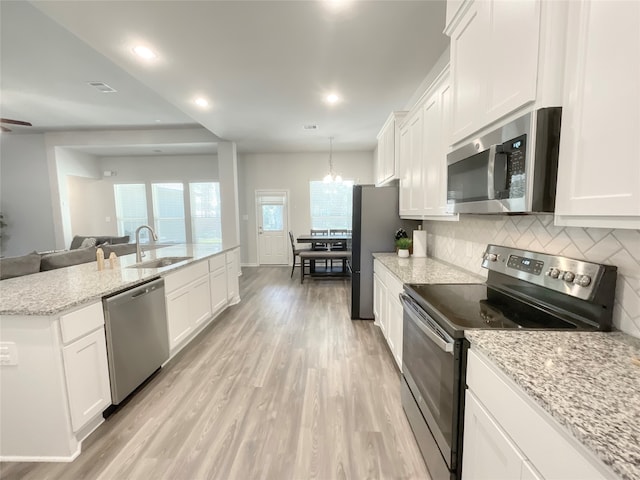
point(403, 253)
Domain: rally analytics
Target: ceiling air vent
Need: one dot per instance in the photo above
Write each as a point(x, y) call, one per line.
point(102, 87)
point(310, 127)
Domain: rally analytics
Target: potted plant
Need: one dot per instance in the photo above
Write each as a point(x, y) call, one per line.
point(403, 245)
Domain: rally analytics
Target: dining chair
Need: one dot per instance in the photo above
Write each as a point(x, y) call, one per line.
point(338, 245)
point(319, 232)
point(296, 253)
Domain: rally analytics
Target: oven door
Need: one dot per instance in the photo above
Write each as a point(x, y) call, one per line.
point(431, 366)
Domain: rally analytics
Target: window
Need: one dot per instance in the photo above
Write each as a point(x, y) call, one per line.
point(172, 223)
point(206, 224)
point(168, 212)
point(331, 204)
point(131, 208)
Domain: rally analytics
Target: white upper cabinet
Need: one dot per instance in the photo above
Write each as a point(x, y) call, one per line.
point(599, 169)
point(423, 154)
point(503, 59)
point(388, 147)
point(411, 197)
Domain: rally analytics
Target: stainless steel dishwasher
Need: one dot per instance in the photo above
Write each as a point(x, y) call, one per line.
point(137, 337)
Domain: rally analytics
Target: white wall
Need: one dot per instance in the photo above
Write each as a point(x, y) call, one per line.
point(71, 162)
point(292, 172)
point(462, 243)
point(25, 195)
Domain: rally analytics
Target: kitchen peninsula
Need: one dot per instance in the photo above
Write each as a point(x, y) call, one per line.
point(54, 380)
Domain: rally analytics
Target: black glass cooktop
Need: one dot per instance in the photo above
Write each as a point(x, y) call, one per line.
point(465, 306)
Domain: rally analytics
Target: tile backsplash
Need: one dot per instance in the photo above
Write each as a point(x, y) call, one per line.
point(462, 243)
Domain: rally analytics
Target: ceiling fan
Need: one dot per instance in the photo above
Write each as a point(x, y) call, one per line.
point(12, 122)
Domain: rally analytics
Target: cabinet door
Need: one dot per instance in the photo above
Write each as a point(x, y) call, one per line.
point(377, 306)
point(487, 453)
point(470, 59)
point(514, 32)
point(598, 170)
point(395, 328)
point(218, 286)
point(389, 151)
point(383, 310)
point(87, 377)
point(233, 289)
point(405, 170)
point(380, 173)
point(178, 317)
point(433, 153)
point(200, 301)
point(416, 194)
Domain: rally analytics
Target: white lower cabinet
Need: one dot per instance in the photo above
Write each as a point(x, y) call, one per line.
point(218, 286)
point(188, 301)
point(87, 377)
point(86, 368)
point(387, 308)
point(488, 452)
point(233, 271)
point(508, 436)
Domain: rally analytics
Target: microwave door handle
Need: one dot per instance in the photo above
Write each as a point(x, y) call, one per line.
point(499, 170)
point(491, 168)
point(433, 336)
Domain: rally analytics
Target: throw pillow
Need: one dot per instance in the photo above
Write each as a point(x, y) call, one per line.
point(88, 242)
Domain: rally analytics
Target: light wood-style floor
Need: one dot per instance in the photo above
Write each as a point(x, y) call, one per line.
point(282, 386)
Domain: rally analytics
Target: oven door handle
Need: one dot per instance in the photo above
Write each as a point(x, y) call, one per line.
point(411, 309)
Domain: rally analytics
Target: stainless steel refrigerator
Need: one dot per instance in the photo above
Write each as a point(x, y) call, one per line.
point(374, 224)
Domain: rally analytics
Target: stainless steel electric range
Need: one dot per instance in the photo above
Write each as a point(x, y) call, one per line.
point(524, 290)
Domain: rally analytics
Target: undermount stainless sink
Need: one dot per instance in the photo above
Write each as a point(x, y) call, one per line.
point(160, 262)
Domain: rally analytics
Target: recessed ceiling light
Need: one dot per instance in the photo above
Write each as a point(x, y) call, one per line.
point(144, 52)
point(201, 102)
point(332, 98)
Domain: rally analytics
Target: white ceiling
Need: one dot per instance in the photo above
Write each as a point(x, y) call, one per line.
point(265, 66)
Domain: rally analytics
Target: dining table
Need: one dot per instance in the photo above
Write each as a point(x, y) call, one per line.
point(328, 240)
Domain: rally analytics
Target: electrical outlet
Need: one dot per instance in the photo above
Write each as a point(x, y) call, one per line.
point(8, 353)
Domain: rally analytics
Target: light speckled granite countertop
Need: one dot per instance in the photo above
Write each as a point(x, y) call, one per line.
point(588, 381)
point(49, 293)
point(425, 270)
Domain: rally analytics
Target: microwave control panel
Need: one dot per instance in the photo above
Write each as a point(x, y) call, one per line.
point(515, 150)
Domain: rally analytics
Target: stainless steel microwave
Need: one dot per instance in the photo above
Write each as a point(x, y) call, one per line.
point(512, 169)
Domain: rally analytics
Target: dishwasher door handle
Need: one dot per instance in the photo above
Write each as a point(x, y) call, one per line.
point(141, 293)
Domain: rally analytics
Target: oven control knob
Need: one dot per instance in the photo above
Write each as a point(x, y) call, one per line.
point(569, 277)
point(553, 272)
point(492, 257)
point(584, 280)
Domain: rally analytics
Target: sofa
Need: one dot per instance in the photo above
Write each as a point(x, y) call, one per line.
point(83, 241)
point(35, 262)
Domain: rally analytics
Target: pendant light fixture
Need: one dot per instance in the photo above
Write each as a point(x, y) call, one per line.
point(331, 177)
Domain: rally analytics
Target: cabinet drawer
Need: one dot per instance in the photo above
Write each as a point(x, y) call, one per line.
point(76, 324)
point(185, 275)
point(543, 441)
point(216, 262)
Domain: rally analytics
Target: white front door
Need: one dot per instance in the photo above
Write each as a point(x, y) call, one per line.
point(273, 236)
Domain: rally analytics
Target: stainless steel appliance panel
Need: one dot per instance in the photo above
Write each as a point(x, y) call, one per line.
point(137, 336)
point(512, 169)
point(374, 223)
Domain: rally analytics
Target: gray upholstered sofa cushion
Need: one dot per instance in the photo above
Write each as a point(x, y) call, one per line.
point(78, 239)
point(51, 261)
point(11, 267)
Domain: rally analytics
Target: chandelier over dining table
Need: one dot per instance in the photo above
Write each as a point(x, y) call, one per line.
point(332, 176)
